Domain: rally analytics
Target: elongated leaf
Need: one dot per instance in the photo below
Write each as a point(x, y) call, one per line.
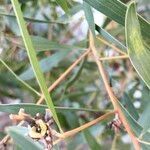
point(116, 10)
point(136, 127)
point(93, 144)
point(33, 108)
point(34, 20)
point(75, 9)
point(126, 101)
point(20, 136)
point(104, 34)
point(144, 119)
point(24, 1)
point(63, 4)
point(89, 16)
point(139, 51)
point(46, 64)
point(17, 77)
point(106, 22)
point(71, 119)
point(33, 59)
point(43, 44)
point(73, 78)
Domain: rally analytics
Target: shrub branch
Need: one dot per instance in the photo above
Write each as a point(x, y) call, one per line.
point(112, 97)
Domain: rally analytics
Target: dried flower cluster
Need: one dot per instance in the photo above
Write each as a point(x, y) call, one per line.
point(40, 127)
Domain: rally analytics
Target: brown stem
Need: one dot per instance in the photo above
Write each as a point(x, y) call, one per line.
point(144, 142)
point(83, 127)
point(113, 98)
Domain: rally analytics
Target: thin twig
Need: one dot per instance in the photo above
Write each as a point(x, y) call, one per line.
point(111, 45)
point(113, 98)
point(114, 142)
point(83, 127)
point(114, 57)
point(144, 142)
point(62, 77)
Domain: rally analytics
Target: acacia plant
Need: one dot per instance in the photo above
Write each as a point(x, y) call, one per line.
point(69, 82)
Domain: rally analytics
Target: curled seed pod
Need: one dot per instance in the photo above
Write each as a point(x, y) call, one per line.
point(39, 130)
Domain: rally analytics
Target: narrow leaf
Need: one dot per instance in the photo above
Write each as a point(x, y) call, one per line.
point(32, 109)
point(136, 127)
point(73, 78)
point(34, 20)
point(89, 16)
point(18, 78)
point(116, 10)
point(126, 101)
point(144, 119)
point(93, 144)
point(33, 59)
point(71, 12)
point(139, 51)
point(20, 136)
point(43, 44)
point(63, 4)
point(46, 65)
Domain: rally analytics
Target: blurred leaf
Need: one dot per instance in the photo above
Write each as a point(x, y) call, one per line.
point(136, 127)
point(89, 16)
point(20, 136)
point(139, 51)
point(126, 101)
point(24, 1)
point(33, 109)
point(74, 77)
point(118, 144)
point(71, 12)
point(17, 147)
point(33, 59)
point(19, 79)
point(80, 93)
point(91, 141)
point(34, 20)
point(75, 142)
point(43, 44)
point(71, 118)
point(46, 65)
point(144, 119)
point(133, 123)
point(145, 97)
point(63, 4)
point(116, 10)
